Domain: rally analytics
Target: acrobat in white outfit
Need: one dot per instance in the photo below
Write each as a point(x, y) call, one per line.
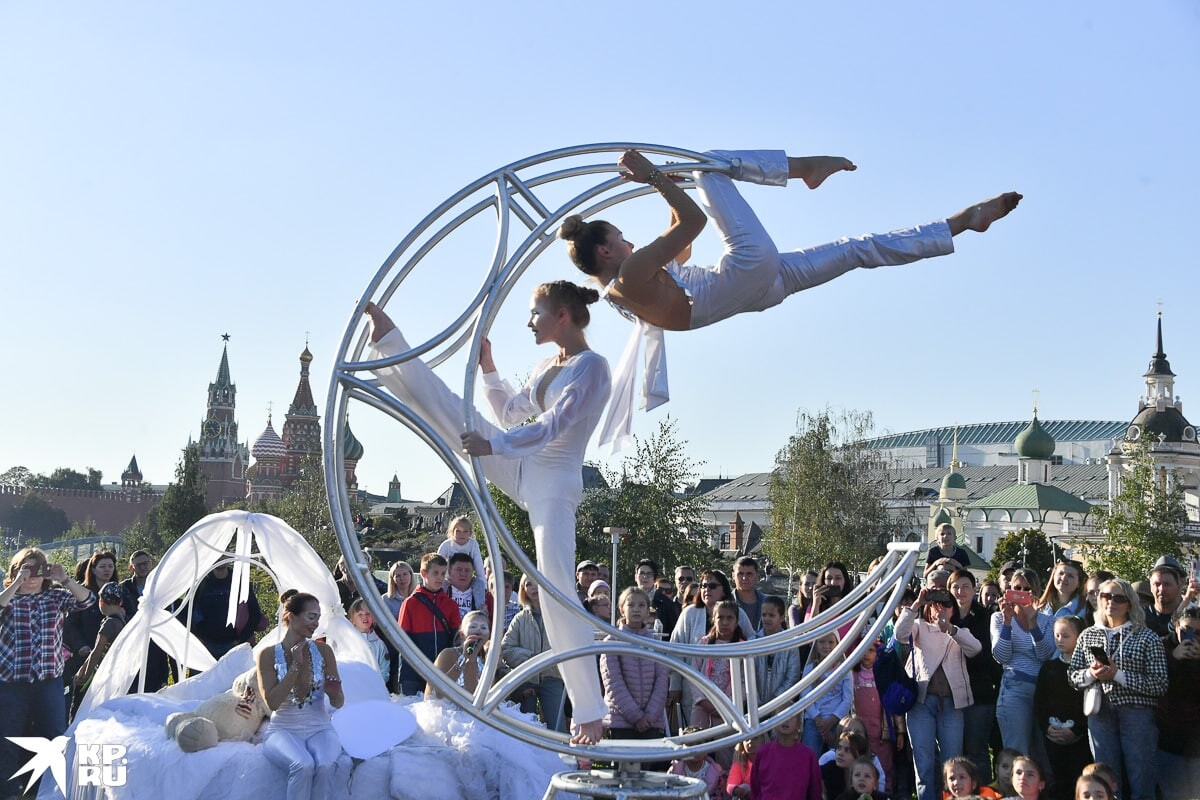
point(539, 465)
point(651, 287)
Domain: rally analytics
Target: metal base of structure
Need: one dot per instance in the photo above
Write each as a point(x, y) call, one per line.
point(626, 782)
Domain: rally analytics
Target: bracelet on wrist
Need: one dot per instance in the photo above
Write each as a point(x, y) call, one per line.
point(655, 178)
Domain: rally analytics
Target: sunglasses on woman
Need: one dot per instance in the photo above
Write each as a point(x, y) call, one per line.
point(1114, 598)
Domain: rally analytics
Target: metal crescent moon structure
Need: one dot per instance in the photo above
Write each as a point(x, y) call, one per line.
point(527, 200)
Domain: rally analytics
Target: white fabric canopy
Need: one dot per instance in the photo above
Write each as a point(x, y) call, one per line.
point(285, 552)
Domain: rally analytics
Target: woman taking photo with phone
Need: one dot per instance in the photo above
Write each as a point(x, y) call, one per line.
point(31, 655)
point(1022, 640)
point(1128, 663)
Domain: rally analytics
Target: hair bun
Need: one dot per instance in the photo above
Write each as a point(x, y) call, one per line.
point(588, 295)
point(572, 226)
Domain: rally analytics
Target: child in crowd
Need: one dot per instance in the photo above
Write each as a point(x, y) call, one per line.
point(852, 724)
point(961, 779)
point(878, 726)
point(700, 766)
point(777, 672)
point(635, 688)
point(1003, 769)
point(864, 782)
point(1027, 778)
point(835, 774)
point(113, 612)
point(1058, 712)
point(724, 629)
point(820, 721)
point(1098, 769)
point(460, 538)
point(785, 769)
point(430, 618)
point(1093, 787)
point(362, 619)
point(738, 785)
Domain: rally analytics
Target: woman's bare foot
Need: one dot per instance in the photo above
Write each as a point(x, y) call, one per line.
point(381, 323)
point(588, 732)
point(980, 216)
point(813, 170)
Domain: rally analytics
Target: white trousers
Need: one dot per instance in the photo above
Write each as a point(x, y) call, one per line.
point(545, 492)
point(753, 275)
point(310, 762)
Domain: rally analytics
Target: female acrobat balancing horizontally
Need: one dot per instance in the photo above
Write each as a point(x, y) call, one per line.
point(650, 283)
point(540, 465)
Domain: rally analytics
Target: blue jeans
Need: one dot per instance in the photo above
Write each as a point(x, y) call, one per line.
point(812, 737)
point(550, 694)
point(935, 729)
point(1126, 738)
point(1014, 713)
point(27, 709)
point(1178, 776)
point(977, 733)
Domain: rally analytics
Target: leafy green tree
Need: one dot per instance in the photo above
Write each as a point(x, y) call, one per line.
point(183, 503)
point(1028, 547)
point(143, 535)
point(17, 476)
point(36, 518)
point(646, 495)
point(1142, 523)
point(67, 478)
point(827, 495)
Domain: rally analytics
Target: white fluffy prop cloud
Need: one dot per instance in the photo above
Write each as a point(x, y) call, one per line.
point(257, 539)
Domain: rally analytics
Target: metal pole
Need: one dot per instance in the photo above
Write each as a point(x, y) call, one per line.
point(615, 534)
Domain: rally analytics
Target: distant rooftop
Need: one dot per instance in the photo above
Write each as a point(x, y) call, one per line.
point(985, 433)
point(1087, 481)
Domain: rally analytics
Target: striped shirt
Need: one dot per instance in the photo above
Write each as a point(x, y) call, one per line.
point(31, 626)
point(1022, 652)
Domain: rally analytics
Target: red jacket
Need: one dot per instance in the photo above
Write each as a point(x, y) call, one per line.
point(423, 626)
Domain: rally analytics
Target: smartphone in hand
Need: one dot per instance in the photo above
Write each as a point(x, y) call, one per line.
point(1019, 597)
point(1099, 654)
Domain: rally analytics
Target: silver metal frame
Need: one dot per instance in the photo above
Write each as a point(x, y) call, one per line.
point(508, 192)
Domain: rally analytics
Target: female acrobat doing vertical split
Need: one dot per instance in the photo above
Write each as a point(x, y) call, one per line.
point(649, 283)
point(539, 465)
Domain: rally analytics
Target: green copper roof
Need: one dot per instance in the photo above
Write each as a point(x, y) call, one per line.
point(954, 480)
point(1034, 442)
point(1033, 496)
point(942, 517)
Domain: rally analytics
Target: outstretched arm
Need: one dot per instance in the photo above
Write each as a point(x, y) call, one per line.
point(687, 220)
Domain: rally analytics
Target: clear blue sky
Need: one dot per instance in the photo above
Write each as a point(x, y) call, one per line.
point(175, 171)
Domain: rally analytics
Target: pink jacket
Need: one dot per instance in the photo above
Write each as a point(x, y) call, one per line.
point(931, 649)
point(634, 687)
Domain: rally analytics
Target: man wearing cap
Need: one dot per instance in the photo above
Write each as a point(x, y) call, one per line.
point(1006, 572)
point(1166, 585)
point(585, 573)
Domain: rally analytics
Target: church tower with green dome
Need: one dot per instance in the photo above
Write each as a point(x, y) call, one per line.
point(951, 497)
point(1035, 450)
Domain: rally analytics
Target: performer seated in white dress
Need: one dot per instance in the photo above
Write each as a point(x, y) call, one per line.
point(649, 284)
point(294, 677)
point(540, 464)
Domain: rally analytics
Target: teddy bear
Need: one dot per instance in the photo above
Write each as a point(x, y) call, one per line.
point(233, 715)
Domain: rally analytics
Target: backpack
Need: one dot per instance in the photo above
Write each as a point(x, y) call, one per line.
point(897, 688)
